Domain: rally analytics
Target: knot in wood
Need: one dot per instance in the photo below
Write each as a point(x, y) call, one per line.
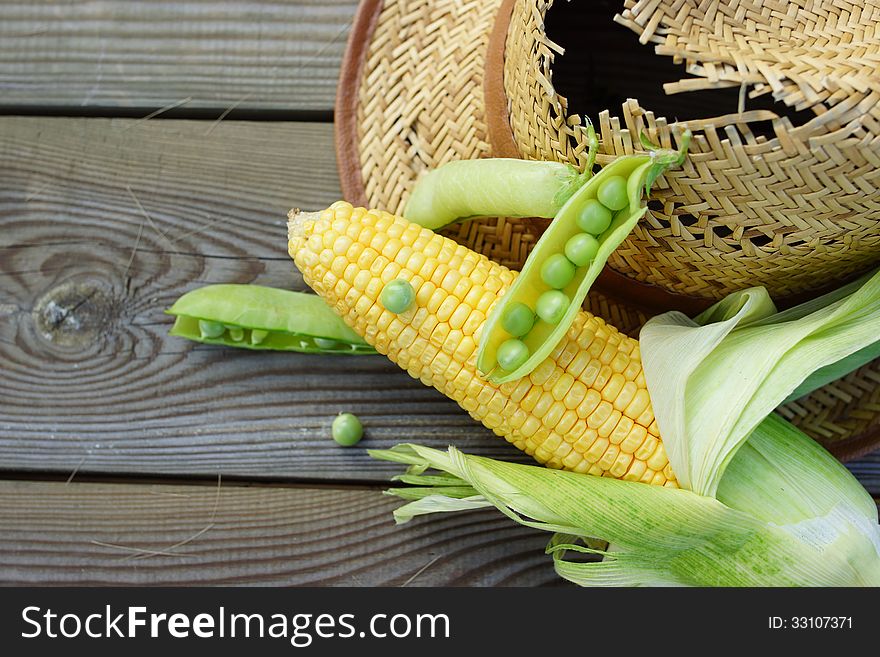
point(74, 314)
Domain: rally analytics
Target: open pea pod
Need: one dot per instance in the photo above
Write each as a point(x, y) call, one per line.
point(257, 317)
point(504, 356)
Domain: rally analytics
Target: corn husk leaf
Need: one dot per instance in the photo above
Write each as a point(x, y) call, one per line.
point(782, 476)
point(714, 379)
point(436, 503)
point(658, 536)
point(841, 368)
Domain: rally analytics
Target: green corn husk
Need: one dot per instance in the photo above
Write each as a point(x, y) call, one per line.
point(657, 536)
point(713, 379)
point(763, 504)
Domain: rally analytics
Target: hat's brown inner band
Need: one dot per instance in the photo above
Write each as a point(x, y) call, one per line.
point(348, 158)
point(494, 98)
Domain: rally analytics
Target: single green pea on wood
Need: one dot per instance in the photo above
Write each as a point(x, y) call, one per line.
point(616, 192)
point(347, 429)
point(264, 318)
point(397, 296)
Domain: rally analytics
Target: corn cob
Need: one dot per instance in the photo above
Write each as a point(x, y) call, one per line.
point(585, 408)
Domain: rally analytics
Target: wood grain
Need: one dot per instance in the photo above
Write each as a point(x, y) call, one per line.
point(867, 470)
point(90, 378)
point(150, 54)
point(103, 534)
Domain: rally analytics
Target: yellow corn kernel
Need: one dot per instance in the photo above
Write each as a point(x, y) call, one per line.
point(589, 403)
point(636, 470)
point(647, 448)
point(621, 464)
point(658, 460)
point(625, 396)
point(608, 458)
point(554, 414)
point(633, 439)
point(575, 395)
point(572, 460)
point(596, 450)
point(562, 386)
point(639, 403)
point(613, 388)
point(600, 416)
point(566, 422)
point(608, 426)
point(621, 431)
point(578, 364)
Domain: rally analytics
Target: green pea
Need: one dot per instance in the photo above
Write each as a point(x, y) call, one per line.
point(612, 193)
point(210, 329)
point(258, 335)
point(397, 296)
point(236, 333)
point(551, 306)
point(558, 271)
point(594, 218)
point(512, 354)
point(347, 429)
point(581, 249)
point(518, 319)
point(326, 343)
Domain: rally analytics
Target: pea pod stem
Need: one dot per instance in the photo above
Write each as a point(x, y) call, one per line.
point(263, 318)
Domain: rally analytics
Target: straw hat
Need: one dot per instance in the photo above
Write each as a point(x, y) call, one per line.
point(762, 200)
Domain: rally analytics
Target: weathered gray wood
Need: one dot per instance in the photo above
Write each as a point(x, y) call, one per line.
point(90, 378)
point(97, 534)
point(867, 470)
point(150, 54)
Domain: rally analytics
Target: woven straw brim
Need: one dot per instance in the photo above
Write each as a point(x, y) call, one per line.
point(420, 86)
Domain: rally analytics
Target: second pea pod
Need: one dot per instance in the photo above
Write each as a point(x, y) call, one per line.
point(263, 318)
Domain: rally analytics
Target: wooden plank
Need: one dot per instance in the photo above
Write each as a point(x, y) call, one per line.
point(91, 380)
point(123, 534)
point(150, 54)
point(867, 471)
